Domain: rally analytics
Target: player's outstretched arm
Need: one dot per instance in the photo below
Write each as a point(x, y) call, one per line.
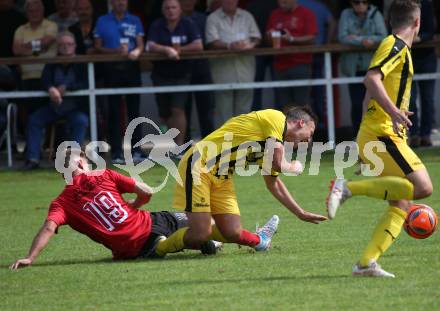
point(280, 192)
point(143, 192)
point(40, 241)
point(373, 83)
point(280, 164)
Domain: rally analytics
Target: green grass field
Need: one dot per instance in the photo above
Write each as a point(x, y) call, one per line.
point(308, 267)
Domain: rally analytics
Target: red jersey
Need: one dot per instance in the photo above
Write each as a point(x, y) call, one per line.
point(93, 205)
point(299, 22)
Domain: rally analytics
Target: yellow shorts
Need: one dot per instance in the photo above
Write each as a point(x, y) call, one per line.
point(207, 194)
point(399, 159)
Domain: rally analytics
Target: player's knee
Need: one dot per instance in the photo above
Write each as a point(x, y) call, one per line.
point(199, 235)
point(232, 234)
point(423, 190)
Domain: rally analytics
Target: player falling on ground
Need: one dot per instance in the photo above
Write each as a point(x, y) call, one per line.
point(210, 193)
point(94, 206)
point(404, 177)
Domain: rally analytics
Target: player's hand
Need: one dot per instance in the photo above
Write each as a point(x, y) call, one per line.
point(21, 263)
point(310, 217)
point(400, 118)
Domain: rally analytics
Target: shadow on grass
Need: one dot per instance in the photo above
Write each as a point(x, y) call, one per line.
point(108, 260)
point(67, 262)
point(254, 279)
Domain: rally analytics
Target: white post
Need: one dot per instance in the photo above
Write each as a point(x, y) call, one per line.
point(329, 93)
point(8, 132)
point(92, 102)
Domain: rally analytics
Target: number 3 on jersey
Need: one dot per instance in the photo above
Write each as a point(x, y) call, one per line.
point(106, 210)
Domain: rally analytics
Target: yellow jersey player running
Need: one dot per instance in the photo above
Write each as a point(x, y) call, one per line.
point(207, 168)
point(404, 177)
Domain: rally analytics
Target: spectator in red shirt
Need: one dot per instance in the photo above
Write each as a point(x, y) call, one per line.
point(297, 25)
point(93, 205)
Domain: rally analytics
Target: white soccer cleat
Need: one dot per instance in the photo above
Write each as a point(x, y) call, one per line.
point(373, 270)
point(266, 233)
point(337, 195)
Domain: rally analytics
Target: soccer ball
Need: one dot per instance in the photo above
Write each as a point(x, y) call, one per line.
point(421, 221)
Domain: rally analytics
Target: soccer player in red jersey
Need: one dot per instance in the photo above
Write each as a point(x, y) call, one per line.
point(93, 205)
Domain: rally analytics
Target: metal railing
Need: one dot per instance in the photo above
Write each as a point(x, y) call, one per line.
point(328, 81)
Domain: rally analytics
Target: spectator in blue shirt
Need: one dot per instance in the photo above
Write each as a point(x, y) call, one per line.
point(201, 74)
point(326, 31)
point(119, 32)
point(181, 30)
point(361, 25)
point(57, 79)
point(425, 61)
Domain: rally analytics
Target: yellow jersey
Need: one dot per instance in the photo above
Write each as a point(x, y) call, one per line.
point(393, 59)
point(220, 152)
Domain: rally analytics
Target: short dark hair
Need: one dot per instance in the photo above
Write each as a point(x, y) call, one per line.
point(302, 112)
point(69, 153)
point(402, 12)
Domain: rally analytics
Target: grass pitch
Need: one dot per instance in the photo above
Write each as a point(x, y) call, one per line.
point(308, 267)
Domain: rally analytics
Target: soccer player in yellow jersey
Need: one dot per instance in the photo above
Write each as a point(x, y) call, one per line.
point(404, 177)
point(208, 191)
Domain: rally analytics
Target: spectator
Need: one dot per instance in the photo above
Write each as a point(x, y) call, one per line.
point(261, 11)
point(170, 35)
point(201, 74)
point(425, 61)
point(83, 30)
point(36, 38)
point(231, 28)
point(361, 25)
point(213, 5)
point(297, 25)
point(10, 20)
point(57, 79)
point(65, 15)
point(119, 32)
point(326, 31)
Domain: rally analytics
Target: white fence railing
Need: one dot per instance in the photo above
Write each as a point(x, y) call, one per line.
point(328, 81)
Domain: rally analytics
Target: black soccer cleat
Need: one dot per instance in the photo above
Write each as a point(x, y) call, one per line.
point(210, 247)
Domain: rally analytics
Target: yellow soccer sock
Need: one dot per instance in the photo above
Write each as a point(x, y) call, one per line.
point(217, 236)
point(384, 234)
point(385, 188)
point(174, 243)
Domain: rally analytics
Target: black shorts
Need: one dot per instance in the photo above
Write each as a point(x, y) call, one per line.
point(163, 223)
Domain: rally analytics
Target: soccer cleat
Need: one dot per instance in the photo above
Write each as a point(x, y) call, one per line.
point(152, 254)
point(211, 247)
point(266, 233)
point(138, 157)
point(337, 195)
point(118, 161)
point(373, 269)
